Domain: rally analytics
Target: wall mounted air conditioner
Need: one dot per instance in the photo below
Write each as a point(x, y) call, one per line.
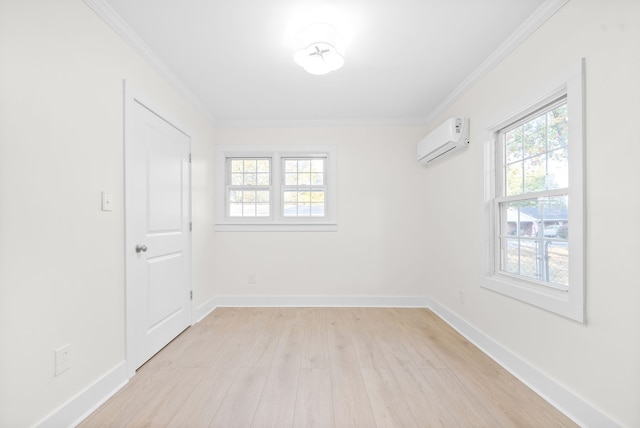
point(451, 136)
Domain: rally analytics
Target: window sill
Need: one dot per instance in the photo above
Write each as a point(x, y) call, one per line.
point(560, 302)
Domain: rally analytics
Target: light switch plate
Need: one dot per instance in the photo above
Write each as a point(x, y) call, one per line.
point(107, 201)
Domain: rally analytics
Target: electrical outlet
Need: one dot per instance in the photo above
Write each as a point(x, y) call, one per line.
point(461, 295)
point(63, 359)
point(252, 278)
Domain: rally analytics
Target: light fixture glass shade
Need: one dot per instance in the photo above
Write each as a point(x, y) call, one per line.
point(319, 49)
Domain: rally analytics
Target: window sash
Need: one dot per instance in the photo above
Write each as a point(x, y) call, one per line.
point(257, 203)
point(258, 172)
point(500, 149)
point(550, 262)
point(305, 205)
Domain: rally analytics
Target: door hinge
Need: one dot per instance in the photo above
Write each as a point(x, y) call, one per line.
point(191, 294)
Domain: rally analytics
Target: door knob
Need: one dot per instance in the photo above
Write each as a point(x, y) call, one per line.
point(141, 248)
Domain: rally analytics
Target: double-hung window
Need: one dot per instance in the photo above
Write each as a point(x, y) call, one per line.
point(276, 188)
point(304, 187)
point(249, 187)
point(535, 200)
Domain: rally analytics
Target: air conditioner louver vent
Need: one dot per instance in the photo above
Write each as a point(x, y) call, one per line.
point(451, 136)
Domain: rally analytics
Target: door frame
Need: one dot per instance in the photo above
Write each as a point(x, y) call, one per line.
point(132, 97)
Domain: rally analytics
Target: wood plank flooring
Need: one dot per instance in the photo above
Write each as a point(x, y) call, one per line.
point(323, 367)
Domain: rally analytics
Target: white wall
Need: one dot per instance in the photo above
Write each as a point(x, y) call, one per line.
point(61, 144)
point(380, 205)
point(600, 360)
point(403, 229)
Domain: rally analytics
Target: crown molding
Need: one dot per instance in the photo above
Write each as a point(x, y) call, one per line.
point(117, 24)
point(535, 21)
point(320, 123)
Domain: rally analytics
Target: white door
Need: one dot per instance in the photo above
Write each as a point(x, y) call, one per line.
point(158, 241)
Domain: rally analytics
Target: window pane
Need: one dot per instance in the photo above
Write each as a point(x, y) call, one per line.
point(304, 196)
point(290, 165)
point(317, 165)
point(529, 265)
point(304, 179)
point(250, 165)
point(304, 209)
point(317, 197)
point(290, 179)
point(511, 261)
point(290, 210)
point(535, 136)
point(263, 179)
point(290, 197)
point(235, 196)
point(535, 174)
point(520, 222)
point(264, 165)
point(250, 179)
point(317, 179)
point(262, 196)
point(513, 145)
point(554, 211)
point(317, 210)
point(249, 197)
point(235, 210)
point(513, 179)
point(558, 120)
point(558, 169)
point(249, 210)
point(558, 259)
point(262, 210)
point(237, 165)
point(237, 179)
point(304, 166)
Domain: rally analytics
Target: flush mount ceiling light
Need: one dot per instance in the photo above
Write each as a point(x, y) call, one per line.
point(319, 49)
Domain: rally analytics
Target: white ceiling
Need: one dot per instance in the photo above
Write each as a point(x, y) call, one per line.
point(403, 57)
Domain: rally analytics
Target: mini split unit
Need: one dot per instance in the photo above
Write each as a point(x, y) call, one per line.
point(448, 138)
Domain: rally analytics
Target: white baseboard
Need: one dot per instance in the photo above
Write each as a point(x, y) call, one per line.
point(574, 407)
point(204, 309)
point(322, 301)
point(88, 400)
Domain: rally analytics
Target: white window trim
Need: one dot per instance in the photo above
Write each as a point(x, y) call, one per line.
point(568, 303)
point(275, 222)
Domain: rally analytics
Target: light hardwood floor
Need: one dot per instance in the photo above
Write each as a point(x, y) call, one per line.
point(323, 367)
